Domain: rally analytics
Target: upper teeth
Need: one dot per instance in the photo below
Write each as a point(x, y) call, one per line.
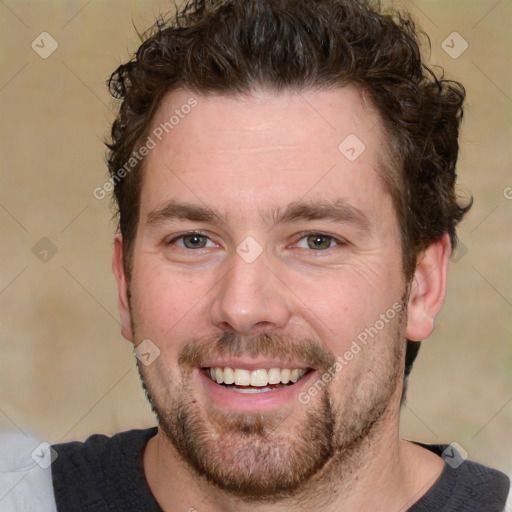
point(260, 378)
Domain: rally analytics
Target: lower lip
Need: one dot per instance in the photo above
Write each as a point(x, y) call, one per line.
point(253, 402)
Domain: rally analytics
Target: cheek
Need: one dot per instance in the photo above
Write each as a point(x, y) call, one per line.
point(164, 303)
point(370, 360)
point(162, 380)
point(342, 304)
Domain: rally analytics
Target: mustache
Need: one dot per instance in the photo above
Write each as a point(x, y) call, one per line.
point(306, 351)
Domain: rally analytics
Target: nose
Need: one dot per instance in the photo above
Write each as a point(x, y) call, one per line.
point(251, 299)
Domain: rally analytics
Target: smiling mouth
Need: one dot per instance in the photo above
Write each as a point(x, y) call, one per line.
point(261, 380)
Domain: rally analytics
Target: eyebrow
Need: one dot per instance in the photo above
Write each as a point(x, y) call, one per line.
point(173, 210)
point(335, 211)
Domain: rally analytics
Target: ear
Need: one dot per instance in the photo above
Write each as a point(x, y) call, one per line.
point(428, 289)
point(123, 302)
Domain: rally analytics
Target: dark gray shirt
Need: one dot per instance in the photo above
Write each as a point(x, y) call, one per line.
point(106, 474)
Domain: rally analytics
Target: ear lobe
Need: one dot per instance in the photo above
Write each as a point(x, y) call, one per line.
point(123, 302)
point(428, 289)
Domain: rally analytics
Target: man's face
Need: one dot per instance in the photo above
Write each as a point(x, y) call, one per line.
point(264, 244)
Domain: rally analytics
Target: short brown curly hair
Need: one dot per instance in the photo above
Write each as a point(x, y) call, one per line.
point(235, 46)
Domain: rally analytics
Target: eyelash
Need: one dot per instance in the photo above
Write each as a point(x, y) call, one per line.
point(306, 234)
point(299, 237)
point(173, 240)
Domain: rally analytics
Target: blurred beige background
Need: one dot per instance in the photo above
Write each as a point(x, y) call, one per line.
point(65, 370)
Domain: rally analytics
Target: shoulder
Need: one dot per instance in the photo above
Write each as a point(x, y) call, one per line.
point(98, 451)
point(101, 472)
point(25, 474)
point(464, 485)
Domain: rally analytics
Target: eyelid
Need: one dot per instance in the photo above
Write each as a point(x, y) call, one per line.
point(177, 236)
point(339, 240)
point(299, 236)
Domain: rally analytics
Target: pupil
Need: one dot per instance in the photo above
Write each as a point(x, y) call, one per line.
point(319, 242)
point(194, 241)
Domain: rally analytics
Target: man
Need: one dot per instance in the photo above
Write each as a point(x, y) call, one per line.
point(284, 172)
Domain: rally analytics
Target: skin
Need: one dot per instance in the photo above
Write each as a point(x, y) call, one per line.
point(247, 160)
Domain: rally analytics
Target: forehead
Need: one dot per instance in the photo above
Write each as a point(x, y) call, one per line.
point(263, 149)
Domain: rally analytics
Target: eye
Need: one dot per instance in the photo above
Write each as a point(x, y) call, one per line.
point(192, 241)
point(317, 242)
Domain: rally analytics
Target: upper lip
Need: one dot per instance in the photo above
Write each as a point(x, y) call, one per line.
point(252, 364)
